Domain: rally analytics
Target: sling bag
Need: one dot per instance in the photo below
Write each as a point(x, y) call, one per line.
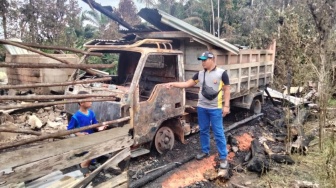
point(208, 92)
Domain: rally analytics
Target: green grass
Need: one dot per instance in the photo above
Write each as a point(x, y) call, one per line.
point(315, 167)
point(332, 102)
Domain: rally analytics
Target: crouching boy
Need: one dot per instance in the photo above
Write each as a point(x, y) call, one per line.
point(84, 117)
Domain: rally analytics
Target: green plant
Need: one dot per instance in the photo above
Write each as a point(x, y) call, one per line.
point(106, 59)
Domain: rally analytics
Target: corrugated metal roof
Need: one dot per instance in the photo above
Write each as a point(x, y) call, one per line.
point(167, 22)
point(13, 50)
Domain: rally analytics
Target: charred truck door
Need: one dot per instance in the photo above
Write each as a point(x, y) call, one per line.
point(156, 107)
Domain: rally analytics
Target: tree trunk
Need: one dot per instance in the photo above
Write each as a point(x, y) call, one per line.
point(213, 17)
point(4, 24)
point(323, 99)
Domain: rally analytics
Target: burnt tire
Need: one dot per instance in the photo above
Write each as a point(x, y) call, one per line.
point(256, 106)
point(164, 139)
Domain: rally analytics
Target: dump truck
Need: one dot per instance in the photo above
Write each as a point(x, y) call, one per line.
point(146, 62)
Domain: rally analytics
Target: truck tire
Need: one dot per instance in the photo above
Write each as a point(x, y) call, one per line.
point(164, 139)
point(256, 106)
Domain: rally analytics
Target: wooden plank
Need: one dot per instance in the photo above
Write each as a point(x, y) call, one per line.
point(48, 165)
point(65, 182)
point(35, 153)
point(119, 156)
point(54, 84)
point(114, 182)
point(63, 133)
point(28, 68)
point(125, 185)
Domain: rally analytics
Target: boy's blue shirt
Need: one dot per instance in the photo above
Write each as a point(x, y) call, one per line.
point(79, 119)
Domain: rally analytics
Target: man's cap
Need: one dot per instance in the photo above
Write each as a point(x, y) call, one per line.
point(205, 56)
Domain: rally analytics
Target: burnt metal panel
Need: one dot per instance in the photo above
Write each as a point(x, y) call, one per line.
point(153, 16)
point(164, 103)
point(166, 22)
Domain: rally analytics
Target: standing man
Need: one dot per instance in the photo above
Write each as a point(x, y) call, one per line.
point(215, 85)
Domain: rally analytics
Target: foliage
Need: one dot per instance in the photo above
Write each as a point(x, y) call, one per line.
point(316, 167)
point(2, 53)
point(106, 59)
point(45, 21)
point(98, 25)
point(128, 12)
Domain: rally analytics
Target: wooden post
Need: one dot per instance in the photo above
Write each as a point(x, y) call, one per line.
point(60, 48)
point(33, 105)
point(41, 53)
point(33, 50)
point(54, 84)
point(10, 130)
point(52, 97)
point(63, 133)
point(56, 65)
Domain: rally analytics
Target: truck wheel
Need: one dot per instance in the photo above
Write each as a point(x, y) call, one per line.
point(164, 139)
point(256, 106)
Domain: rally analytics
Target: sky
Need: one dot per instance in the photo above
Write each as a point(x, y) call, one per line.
point(113, 3)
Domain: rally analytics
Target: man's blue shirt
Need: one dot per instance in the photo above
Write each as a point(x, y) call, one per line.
point(79, 119)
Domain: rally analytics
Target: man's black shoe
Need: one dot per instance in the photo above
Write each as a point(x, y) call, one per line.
point(202, 156)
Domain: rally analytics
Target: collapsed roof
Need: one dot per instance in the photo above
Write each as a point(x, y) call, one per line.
point(165, 22)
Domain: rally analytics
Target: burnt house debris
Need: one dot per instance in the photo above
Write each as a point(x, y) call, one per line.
point(140, 111)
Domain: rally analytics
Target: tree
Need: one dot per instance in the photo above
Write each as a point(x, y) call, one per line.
point(102, 26)
point(47, 21)
point(8, 14)
point(128, 12)
point(4, 5)
point(324, 21)
point(148, 3)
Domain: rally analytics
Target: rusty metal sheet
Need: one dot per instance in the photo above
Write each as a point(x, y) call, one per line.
point(163, 104)
point(167, 22)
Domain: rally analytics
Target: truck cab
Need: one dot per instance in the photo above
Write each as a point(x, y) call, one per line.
point(139, 91)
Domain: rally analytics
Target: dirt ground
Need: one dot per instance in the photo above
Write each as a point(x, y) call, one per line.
point(192, 173)
point(315, 169)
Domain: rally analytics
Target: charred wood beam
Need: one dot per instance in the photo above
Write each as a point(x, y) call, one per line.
point(235, 125)
point(54, 84)
point(108, 13)
point(10, 130)
point(57, 66)
point(63, 133)
point(2, 41)
point(61, 48)
point(120, 155)
point(154, 175)
point(33, 105)
point(277, 157)
point(301, 144)
point(53, 97)
point(258, 163)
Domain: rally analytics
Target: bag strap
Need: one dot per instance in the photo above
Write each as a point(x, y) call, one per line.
point(204, 83)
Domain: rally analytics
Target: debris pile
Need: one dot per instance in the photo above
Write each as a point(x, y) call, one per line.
point(26, 124)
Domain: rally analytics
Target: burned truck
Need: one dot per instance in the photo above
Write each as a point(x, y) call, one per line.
point(147, 61)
